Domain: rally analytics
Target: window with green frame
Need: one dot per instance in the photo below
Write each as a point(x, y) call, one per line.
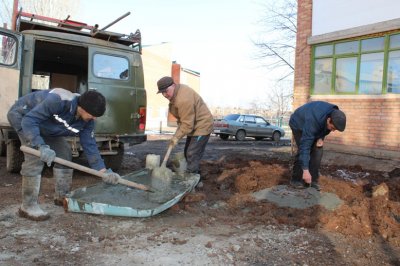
point(364, 66)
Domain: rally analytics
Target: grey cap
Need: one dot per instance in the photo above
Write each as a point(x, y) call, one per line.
point(338, 119)
point(164, 83)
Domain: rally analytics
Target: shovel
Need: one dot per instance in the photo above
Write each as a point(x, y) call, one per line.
point(85, 169)
point(164, 163)
point(163, 171)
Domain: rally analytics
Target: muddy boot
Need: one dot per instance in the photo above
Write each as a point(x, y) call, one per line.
point(316, 186)
point(30, 191)
point(297, 184)
point(63, 180)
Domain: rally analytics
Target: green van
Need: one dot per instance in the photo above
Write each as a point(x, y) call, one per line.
point(48, 53)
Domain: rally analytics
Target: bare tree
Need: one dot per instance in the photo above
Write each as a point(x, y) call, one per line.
point(281, 98)
point(58, 9)
point(260, 107)
point(276, 45)
point(5, 12)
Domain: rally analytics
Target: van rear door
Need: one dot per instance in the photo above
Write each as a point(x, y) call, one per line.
point(10, 64)
point(110, 73)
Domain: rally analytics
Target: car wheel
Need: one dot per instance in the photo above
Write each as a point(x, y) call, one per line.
point(240, 135)
point(276, 136)
point(224, 136)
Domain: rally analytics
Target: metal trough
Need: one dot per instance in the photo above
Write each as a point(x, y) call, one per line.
point(120, 200)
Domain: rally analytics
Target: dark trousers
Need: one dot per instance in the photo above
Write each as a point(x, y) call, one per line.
point(33, 166)
point(315, 160)
point(194, 150)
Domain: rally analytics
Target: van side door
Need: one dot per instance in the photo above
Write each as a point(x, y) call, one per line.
point(10, 65)
point(110, 73)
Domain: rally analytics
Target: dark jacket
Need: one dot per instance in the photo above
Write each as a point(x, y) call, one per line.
point(194, 117)
point(52, 113)
point(310, 119)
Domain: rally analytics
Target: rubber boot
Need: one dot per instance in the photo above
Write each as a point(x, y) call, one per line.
point(30, 191)
point(63, 180)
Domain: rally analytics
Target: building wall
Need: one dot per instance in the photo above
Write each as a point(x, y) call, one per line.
point(157, 63)
point(352, 14)
point(190, 79)
point(373, 121)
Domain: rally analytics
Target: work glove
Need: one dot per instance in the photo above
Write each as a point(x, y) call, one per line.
point(47, 155)
point(111, 177)
point(173, 141)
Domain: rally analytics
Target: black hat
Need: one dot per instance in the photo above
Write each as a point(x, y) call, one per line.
point(164, 83)
point(93, 102)
point(338, 120)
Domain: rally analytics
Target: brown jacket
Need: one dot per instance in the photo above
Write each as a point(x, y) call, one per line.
point(194, 118)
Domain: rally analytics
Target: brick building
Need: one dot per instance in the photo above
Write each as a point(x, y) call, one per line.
point(348, 53)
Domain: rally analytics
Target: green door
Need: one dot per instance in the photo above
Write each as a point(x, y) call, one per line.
point(111, 73)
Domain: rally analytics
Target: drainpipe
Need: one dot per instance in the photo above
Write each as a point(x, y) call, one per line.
point(14, 15)
point(176, 72)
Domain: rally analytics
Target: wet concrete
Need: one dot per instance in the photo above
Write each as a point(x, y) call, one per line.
point(123, 196)
point(285, 196)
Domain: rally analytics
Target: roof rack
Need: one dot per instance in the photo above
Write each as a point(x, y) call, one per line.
point(29, 21)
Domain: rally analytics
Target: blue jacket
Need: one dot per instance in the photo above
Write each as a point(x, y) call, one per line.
point(53, 113)
point(310, 119)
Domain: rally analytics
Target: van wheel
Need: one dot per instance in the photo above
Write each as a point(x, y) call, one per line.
point(3, 146)
point(240, 135)
point(15, 156)
point(114, 161)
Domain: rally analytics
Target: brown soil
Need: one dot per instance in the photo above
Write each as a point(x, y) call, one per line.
point(220, 222)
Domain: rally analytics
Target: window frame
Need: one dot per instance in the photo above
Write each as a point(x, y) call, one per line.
point(386, 50)
point(95, 74)
point(15, 46)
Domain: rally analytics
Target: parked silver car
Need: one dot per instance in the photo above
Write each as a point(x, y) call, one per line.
point(242, 126)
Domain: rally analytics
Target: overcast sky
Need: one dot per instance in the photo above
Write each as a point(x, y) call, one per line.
point(212, 37)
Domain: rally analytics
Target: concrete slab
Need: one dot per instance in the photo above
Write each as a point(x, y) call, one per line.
point(286, 196)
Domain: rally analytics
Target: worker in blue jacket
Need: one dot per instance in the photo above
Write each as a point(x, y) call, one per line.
point(310, 124)
point(42, 120)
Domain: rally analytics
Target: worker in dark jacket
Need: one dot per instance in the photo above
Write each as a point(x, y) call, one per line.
point(42, 120)
point(310, 124)
point(195, 120)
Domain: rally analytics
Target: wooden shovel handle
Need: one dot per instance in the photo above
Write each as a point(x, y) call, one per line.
point(85, 169)
point(164, 163)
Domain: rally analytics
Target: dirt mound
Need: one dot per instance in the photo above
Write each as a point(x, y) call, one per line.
point(363, 214)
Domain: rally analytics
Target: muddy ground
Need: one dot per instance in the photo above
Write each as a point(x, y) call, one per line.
point(219, 223)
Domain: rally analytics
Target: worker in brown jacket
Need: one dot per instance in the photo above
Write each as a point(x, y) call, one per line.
point(195, 120)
